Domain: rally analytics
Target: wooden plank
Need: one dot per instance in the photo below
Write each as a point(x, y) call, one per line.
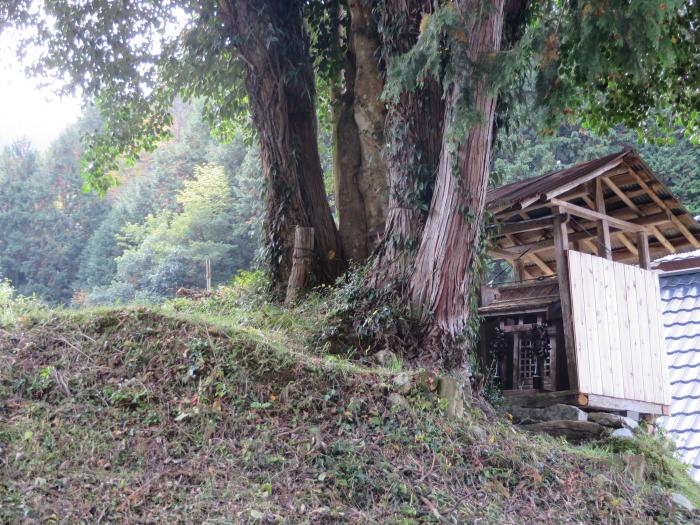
point(659, 331)
point(580, 211)
point(603, 227)
point(660, 377)
point(601, 308)
point(591, 326)
point(518, 327)
point(642, 328)
point(612, 403)
point(633, 334)
point(612, 319)
point(643, 250)
point(639, 329)
point(654, 337)
point(624, 324)
point(579, 318)
point(661, 204)
point(535, 399)
point(561, 245)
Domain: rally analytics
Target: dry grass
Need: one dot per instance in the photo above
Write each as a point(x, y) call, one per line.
point(138, 416)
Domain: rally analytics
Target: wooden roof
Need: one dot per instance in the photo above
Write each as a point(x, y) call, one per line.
point(632, 195)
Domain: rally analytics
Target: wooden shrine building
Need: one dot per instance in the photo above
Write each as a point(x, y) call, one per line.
point(581, 321)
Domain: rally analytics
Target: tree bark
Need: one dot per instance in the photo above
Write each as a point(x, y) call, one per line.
point(303, 250)
point(360, 172)
point(414, 135)
point(443, 277)
point(271, 39)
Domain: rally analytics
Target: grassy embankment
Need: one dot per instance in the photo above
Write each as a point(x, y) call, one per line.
point(221, 411)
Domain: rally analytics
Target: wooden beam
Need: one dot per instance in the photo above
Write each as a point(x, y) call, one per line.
point(613, 403)
point(532, 257)
point(518, 270)
point(501, 253)
point(661, 204)
point(581, 180)
point(506, 228)
point(580, 211)
point(541, 264)
point(627, 243)
point(589, 202)
point(540, 246)
point(561, 246)
point(592, 247)
point(536, 399)
point(653, 220)
point(603, 227)
point(656, 250)
point(643, 246)
point(624, 198)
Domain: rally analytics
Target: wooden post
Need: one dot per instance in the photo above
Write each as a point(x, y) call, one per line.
point(518, 270)
point(602, 226)
point(643, 249)
point(301, 261)
point(561, 245)
point(207, 273)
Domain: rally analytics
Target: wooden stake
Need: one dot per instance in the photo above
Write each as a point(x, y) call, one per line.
point(301, 262)
point(207, 273)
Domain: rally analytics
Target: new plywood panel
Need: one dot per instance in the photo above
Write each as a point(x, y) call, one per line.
point(616, 313)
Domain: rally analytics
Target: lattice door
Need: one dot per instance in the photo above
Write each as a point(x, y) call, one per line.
point(525, 361)
point(527, 364)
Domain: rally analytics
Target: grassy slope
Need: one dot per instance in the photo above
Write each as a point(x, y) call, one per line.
point(220, 414)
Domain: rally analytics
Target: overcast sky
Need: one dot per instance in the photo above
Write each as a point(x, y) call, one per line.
point(26, 110)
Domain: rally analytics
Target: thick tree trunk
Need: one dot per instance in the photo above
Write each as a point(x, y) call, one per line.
point(443, 277)
point(360, 171)
point(271, 39)
point(414, 136)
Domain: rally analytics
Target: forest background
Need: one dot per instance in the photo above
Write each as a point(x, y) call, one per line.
point(195, 197)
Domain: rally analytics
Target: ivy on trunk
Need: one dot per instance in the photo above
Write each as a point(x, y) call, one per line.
point(271, 38)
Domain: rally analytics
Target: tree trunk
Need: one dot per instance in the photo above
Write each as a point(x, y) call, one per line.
point(360, 172)
point(414, 135)
point(271, 39)
point(443, 276)
point(303, 254)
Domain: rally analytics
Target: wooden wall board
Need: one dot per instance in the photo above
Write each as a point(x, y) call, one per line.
point(626, 353)
point(619, 344)
point(577, 298)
